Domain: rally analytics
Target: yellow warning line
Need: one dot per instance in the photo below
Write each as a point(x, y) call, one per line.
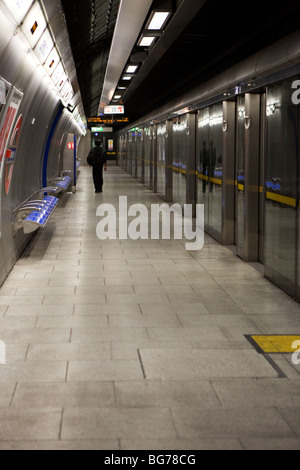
point(288, 201)
point(276, 343)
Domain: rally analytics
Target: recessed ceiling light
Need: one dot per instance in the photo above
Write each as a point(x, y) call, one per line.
point(131, 68)
point(146, 41)
point(158, 19)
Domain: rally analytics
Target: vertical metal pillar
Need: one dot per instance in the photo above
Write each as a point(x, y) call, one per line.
point(228, 172)
point(252, 162)
point(191, 161)
point(169, 160)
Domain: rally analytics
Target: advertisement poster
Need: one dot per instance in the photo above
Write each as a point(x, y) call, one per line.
point(9, 137)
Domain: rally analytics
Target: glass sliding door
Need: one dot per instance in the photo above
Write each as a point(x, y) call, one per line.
point(210, 167)
point(281, 186)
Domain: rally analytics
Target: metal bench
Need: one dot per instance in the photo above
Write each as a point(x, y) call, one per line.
point(33, 214)
point(62, 182)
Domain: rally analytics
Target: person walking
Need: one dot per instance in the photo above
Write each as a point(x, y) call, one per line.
point(97, 160)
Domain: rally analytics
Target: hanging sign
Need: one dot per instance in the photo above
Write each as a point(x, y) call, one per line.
point(114, 110)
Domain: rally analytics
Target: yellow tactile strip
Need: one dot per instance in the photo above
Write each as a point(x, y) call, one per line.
point(275, 343)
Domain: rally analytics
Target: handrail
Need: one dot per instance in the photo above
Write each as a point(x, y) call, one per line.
point(42, 191)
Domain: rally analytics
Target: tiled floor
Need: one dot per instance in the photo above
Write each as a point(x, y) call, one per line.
point(123, 344)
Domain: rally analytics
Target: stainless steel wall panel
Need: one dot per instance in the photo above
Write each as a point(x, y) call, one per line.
point(229, 113)
point(139, 154)
point(191, 161)
point(240, 175)
point(161, 159)
point(154, 158)
point(179, 159)
point(169, 157)
point(252, 165)
point(148, 157)
point(202, 160)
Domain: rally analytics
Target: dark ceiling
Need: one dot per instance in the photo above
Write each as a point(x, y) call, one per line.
point(91, 26)
point(218, 36)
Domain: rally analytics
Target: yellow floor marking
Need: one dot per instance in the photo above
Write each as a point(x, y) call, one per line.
point(277, 343)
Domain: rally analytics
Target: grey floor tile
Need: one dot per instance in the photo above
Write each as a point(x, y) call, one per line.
point(90, 351)
point(21, 321)
point(235, 422)
point(60, 395)
point(3, 309)
point(117, 369)
point(103, 444)
point(185, 334)
point(39, 310)
point(113, 334)
point(6, 393)
point(145, 320)
point(74, 299)
point(40, 335)
point(34, 372)
point(21, 300)
point(181, 444)
point(271, 444)
point(29, 424)
point(157, 393)
point(198, 364)
point(109, 423)
point(57, 291)
point(137, 298)
point(118, 309)
point(71, 321)
point(291, 414)
point(251, 392)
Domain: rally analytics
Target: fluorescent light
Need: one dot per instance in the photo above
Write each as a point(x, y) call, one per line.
point(126, 77)
point(158, 20)
point(34, 24)
point(146, 41)
point(52, 61)
point(121, 87)
point(18, 8)
point(131, 68)
point(117, 97)
point(44, 47)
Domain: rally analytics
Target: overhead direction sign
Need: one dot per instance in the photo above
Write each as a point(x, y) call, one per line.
point(114, 109)
point(111, 120)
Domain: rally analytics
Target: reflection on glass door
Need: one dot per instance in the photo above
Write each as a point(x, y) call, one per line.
point(281, 186)
point(210, 167)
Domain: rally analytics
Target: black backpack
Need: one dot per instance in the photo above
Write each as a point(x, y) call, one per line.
point(96, 155)
point(92, 157)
